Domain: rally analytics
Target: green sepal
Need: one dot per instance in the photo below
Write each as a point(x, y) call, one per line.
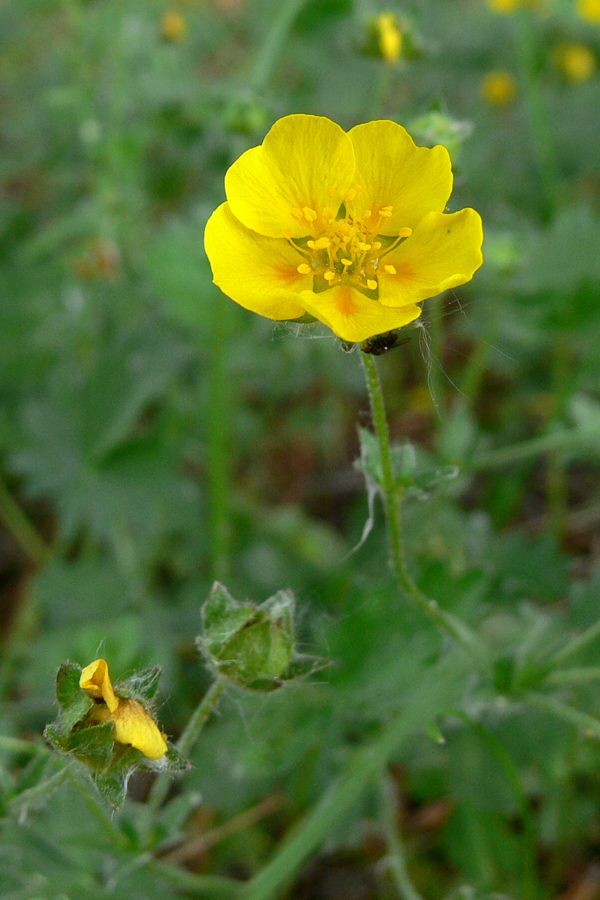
point(173, 760)
point(112, 788)
point(141, 686)
point(74, 703)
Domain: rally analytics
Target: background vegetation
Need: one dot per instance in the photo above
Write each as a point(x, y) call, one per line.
point(155, 437)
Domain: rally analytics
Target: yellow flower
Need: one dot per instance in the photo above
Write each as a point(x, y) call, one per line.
point(133, 724)
point(589, 10)
point(172, 26)
point(577, 62)
point(498, 88)
point(390, 36)
point(347, 227)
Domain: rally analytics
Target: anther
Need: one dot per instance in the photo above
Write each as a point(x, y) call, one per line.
point(297, 213)
point(385, 213)
point(405, 232)
point(320, 244)
point(309, 214)
point(367, 214)
point(377, 245)
point(304, 269)
point(372, 285)
point(390, 270)
point(329, 276)
point(351, 195)
point(363, 247)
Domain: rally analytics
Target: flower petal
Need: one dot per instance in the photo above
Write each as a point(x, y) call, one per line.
point(352, 315)
point(303, 162)
point(443, 252)
point(260, 273)
point(392, 171)
point(135, 726)
point(96, 681)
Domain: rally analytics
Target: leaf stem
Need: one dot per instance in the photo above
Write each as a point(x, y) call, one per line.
point(445, 621)
point(397, 856)
point(268, 54)
point(21, 528)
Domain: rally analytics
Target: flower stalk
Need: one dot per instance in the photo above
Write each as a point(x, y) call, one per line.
point(447, 623)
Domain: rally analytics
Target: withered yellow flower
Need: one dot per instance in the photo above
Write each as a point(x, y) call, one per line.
point(498, 88)
point(133, 724)
point(589, 10)
point(347, 227)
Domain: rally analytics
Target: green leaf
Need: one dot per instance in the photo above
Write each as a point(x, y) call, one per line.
point(112, 788)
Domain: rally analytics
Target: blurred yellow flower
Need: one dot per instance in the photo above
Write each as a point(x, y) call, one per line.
point(172, 26)
point(133, 724)
point(589, 10)
point(390, 36)
point(498, 88)
point(577, 62)
point(347, 227)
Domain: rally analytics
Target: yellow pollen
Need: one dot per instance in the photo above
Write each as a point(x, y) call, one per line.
point(371, 284)
point(390, 270)
point(304, 269)
point(347, 262)
point(321, 244)
point(297, 213)
point(328, 214)
point(376, 246)
point(363, 247)
point(329, 276)
point(385, 213)
point(309, 214)
point(405, 232)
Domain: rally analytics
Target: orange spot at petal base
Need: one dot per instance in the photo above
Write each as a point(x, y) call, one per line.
point(344, 301)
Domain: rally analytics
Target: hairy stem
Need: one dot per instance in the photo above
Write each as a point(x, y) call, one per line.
point(446, 622)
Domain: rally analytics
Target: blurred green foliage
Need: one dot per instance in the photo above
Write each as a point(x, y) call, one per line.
point(154, 437)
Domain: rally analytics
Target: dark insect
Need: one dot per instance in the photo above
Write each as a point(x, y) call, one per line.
point(381, 343)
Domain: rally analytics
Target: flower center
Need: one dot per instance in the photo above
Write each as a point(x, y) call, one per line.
point(346, 249)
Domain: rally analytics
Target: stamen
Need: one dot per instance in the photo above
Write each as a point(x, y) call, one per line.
point(363, 247)
point(351, 195)
point(309, 214)
point(385, 213)
point(304, 269)
point(347, 262)
point(390, 270)
point(405, 232)
point(329, 276)
point(372, 285)
point(377, 245)
point(297, 213)
point(321, 244)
